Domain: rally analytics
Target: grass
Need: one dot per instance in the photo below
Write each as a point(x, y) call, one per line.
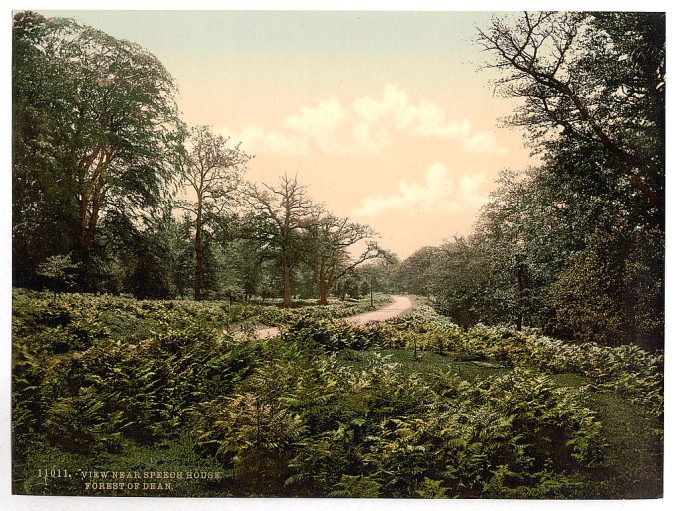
point(633, 469)
point(427, 363)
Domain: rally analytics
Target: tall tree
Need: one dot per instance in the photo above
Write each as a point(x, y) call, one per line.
point(285, 213)
point(96, 113)
point(571, 238)
point(593, 77)
point(211, 170)
point(416, 271)
point(467, 287)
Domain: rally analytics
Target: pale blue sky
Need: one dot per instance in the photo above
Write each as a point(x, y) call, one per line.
point(262, 45)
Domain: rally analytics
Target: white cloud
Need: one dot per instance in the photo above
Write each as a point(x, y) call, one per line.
point(320, 124)
point(257, 138)
point(367, 125)
point(441, 191)
point(371, 140)
point(423, 118)
point(469, 189)
point(484, 142)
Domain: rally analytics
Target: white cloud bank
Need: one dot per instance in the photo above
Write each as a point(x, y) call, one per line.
point(367, 125)
point(440, 192)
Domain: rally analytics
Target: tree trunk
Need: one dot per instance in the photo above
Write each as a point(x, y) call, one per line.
point(323, 284)
point(287, 296)
point(92, 188)
point(520, 305)
point(198, 271)
point(323, 293)
point(91, 225)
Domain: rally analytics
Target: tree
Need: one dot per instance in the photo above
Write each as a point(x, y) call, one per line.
point(612, 292)
point(467, 287)
point(329, 253)
point(596, 77)
point(520, 233)
point(211, 169)
point(44, 216)
point(94, 122)
point(580, 237)
point(381, 274)
point(182, 248)
point(245, 263)
point(58, 270)
point(350, 286)
point(160, 256)
point(416, 271)
point(284, 213)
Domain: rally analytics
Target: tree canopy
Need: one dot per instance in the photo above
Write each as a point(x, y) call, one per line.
point(575, 245)
point(94, 121)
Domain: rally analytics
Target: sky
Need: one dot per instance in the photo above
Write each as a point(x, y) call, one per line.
point(387, 117)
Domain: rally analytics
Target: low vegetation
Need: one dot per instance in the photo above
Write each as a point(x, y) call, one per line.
point(415, 407)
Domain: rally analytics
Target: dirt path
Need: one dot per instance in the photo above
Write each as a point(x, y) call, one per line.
point(399, 305)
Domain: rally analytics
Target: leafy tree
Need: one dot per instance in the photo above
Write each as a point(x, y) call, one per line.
point(44, 218)
point(380, 275)
point(466, 287)
point(591, 77)
point(182, 248)
point(284, 214)
point(416, 271)
point(549, 248)
point(350, 286)
point(160, 257)
point(94, 121)
point(211, 169)
point(59, 269)
point(612, 293)
point(528, 238)
point(330, 241)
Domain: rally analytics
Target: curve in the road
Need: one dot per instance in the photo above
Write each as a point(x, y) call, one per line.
point(399, 305)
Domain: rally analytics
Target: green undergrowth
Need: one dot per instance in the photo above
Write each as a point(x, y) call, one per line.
point(414, 407)
point(628, 370)
point(76, 321)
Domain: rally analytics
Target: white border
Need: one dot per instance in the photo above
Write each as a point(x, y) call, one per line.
point(671, 487)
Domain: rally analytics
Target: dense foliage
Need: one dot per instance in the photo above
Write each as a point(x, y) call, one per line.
point(107, 176)
point(318, 411)
point(93, 118)
point(574, 246)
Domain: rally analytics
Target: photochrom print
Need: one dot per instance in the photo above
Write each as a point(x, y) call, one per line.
point(338, 254)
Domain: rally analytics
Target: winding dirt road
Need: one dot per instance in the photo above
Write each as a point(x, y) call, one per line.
point(399, 305)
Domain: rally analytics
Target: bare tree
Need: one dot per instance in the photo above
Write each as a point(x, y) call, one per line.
point(287, 212)
point(211, 170)
point(331, 239)
point(559, 64)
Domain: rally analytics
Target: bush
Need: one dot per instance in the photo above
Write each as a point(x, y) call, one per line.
point(291, 417)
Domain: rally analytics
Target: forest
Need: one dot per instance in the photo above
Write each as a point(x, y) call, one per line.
point(144, 261)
